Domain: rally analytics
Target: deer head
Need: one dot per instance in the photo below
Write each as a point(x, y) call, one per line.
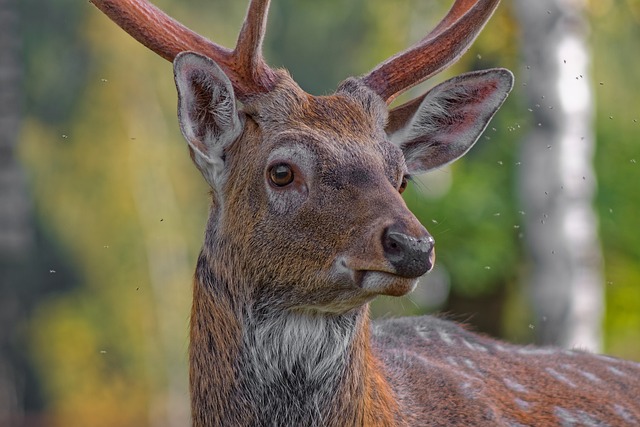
point(306, 189)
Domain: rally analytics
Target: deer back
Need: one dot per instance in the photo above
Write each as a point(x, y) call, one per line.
point(447, 375)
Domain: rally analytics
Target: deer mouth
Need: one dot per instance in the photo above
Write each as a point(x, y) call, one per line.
point(371, 279)
point(384, 283)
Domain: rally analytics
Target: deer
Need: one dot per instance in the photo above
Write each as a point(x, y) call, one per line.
point(307, 226)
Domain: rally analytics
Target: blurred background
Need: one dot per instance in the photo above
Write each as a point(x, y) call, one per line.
point(102, 214)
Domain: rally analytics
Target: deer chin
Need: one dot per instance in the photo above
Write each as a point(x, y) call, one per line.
point(361, 287)
point(383, 283)
point(371, 280)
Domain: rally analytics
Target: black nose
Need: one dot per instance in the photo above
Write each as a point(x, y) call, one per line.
point(410, 256)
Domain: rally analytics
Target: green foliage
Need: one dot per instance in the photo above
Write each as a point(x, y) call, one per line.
point(616, 33)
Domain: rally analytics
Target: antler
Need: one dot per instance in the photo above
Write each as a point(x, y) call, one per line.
point(244, 65)
point(441, 47)
point(248, 71)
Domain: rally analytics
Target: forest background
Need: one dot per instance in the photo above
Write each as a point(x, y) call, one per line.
point(102, 212)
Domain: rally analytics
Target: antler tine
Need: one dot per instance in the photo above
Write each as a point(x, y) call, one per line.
point(438, 49)
point(459, 8)
point(248, 51)
point(167, 37)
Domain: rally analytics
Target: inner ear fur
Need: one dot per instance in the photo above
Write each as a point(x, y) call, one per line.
point(207, 111)
point(444, 123)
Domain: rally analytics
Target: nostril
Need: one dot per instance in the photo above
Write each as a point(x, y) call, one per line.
point(393, 245)
point(410, 256)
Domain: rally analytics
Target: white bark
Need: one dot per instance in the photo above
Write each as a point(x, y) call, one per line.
point(557, 179)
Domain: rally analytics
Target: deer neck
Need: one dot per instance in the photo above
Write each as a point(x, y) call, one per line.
point(249, 365)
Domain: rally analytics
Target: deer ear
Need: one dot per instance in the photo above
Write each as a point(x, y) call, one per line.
point(442, 125)
point(207, 112)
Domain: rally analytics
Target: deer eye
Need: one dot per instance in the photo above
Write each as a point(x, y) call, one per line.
point(281, 174)
point(403, 184)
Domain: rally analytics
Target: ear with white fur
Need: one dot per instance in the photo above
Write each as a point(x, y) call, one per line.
point(207, 112)
point(442, 125)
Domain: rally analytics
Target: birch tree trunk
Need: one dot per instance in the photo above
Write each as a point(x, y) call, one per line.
point(557, 178)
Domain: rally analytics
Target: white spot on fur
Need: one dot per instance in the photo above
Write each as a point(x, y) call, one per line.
point(452, 361)
point(444, 336)
point(502, 348)
point(588, 375)
point(533, 351)
point(565, 416)
point(423, 333)
point(625, 414)
point(590, 420)
point(560, 377)
point(471, 388)
point(607, 358)
point(591, 377)
point(577, 418)
point(615, 371)
point(474, 346)
point(523, 404)
point(514, 385)
point(469, 364)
